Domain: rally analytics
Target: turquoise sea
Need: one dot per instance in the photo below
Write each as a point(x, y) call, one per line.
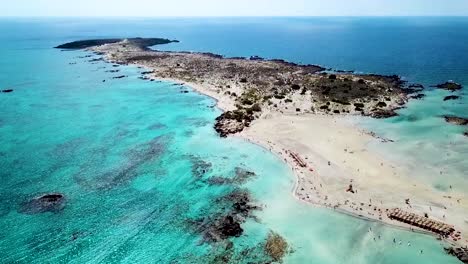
point(133, 157)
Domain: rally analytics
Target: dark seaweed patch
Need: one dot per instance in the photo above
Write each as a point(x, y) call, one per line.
point(126, 171)
point(51, 202)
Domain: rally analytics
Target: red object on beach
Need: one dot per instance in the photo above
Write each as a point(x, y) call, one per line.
point(311, 169)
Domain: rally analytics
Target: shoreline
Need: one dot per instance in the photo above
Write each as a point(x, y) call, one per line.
point(273, 148)
point(330, 168)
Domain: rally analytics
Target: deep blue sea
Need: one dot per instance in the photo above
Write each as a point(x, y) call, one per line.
point(133, 157)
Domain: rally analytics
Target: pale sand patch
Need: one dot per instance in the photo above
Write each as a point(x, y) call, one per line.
point(380, 185)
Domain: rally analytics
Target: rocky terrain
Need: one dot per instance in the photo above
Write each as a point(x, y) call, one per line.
point(142, 43)
point(254, 84)
point(450, 86)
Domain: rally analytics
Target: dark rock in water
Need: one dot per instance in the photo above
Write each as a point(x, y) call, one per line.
point(256, 58)
point(465, 134)
point(222, 227)
point(112, 70)
point(417, 96)
point(461, 253)
point(7, 91)
point(95, 60)
point(416, 86)
point(383, 113)
point(119, 77)
point(52, 202)
point(229, 227)
point(451, 86)
point(451, 97)
point(461, 121)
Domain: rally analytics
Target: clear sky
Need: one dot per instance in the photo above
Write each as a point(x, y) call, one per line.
point(157, 8)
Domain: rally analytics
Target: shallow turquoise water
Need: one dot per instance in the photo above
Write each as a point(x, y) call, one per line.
point(123, 152)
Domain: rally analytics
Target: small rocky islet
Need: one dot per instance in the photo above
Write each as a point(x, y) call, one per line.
point(451, 97)
point(450, 86)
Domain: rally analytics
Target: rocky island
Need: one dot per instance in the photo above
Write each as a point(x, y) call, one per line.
point(301, 113)
point(254, 84)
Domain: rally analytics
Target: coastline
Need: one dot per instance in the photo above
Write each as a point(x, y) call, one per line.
point(337, 166)
point(256, 134)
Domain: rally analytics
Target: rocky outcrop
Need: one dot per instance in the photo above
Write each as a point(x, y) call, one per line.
point(51, 202)
point(381, 113)
point(450, 86)
point(232, 122)
point(451, 97)
point(140, 42)
point(461, 253)
point(461, 121)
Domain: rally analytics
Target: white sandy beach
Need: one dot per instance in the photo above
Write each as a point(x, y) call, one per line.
point(337, 155)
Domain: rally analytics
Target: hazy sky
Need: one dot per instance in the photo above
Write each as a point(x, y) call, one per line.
point(233, 7)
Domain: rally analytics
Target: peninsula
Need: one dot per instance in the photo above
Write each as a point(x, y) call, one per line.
point(302, 113)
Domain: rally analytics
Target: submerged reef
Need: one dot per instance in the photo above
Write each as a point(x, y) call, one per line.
point(461, 121)
point(109, 178)
point(276, 247)
point(451, 97)
point(241, 176)
point(51, 202)
point(199, 167)
point(461, 253)
point(217, 228)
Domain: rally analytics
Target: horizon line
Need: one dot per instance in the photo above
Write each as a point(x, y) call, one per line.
point(239, 16)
